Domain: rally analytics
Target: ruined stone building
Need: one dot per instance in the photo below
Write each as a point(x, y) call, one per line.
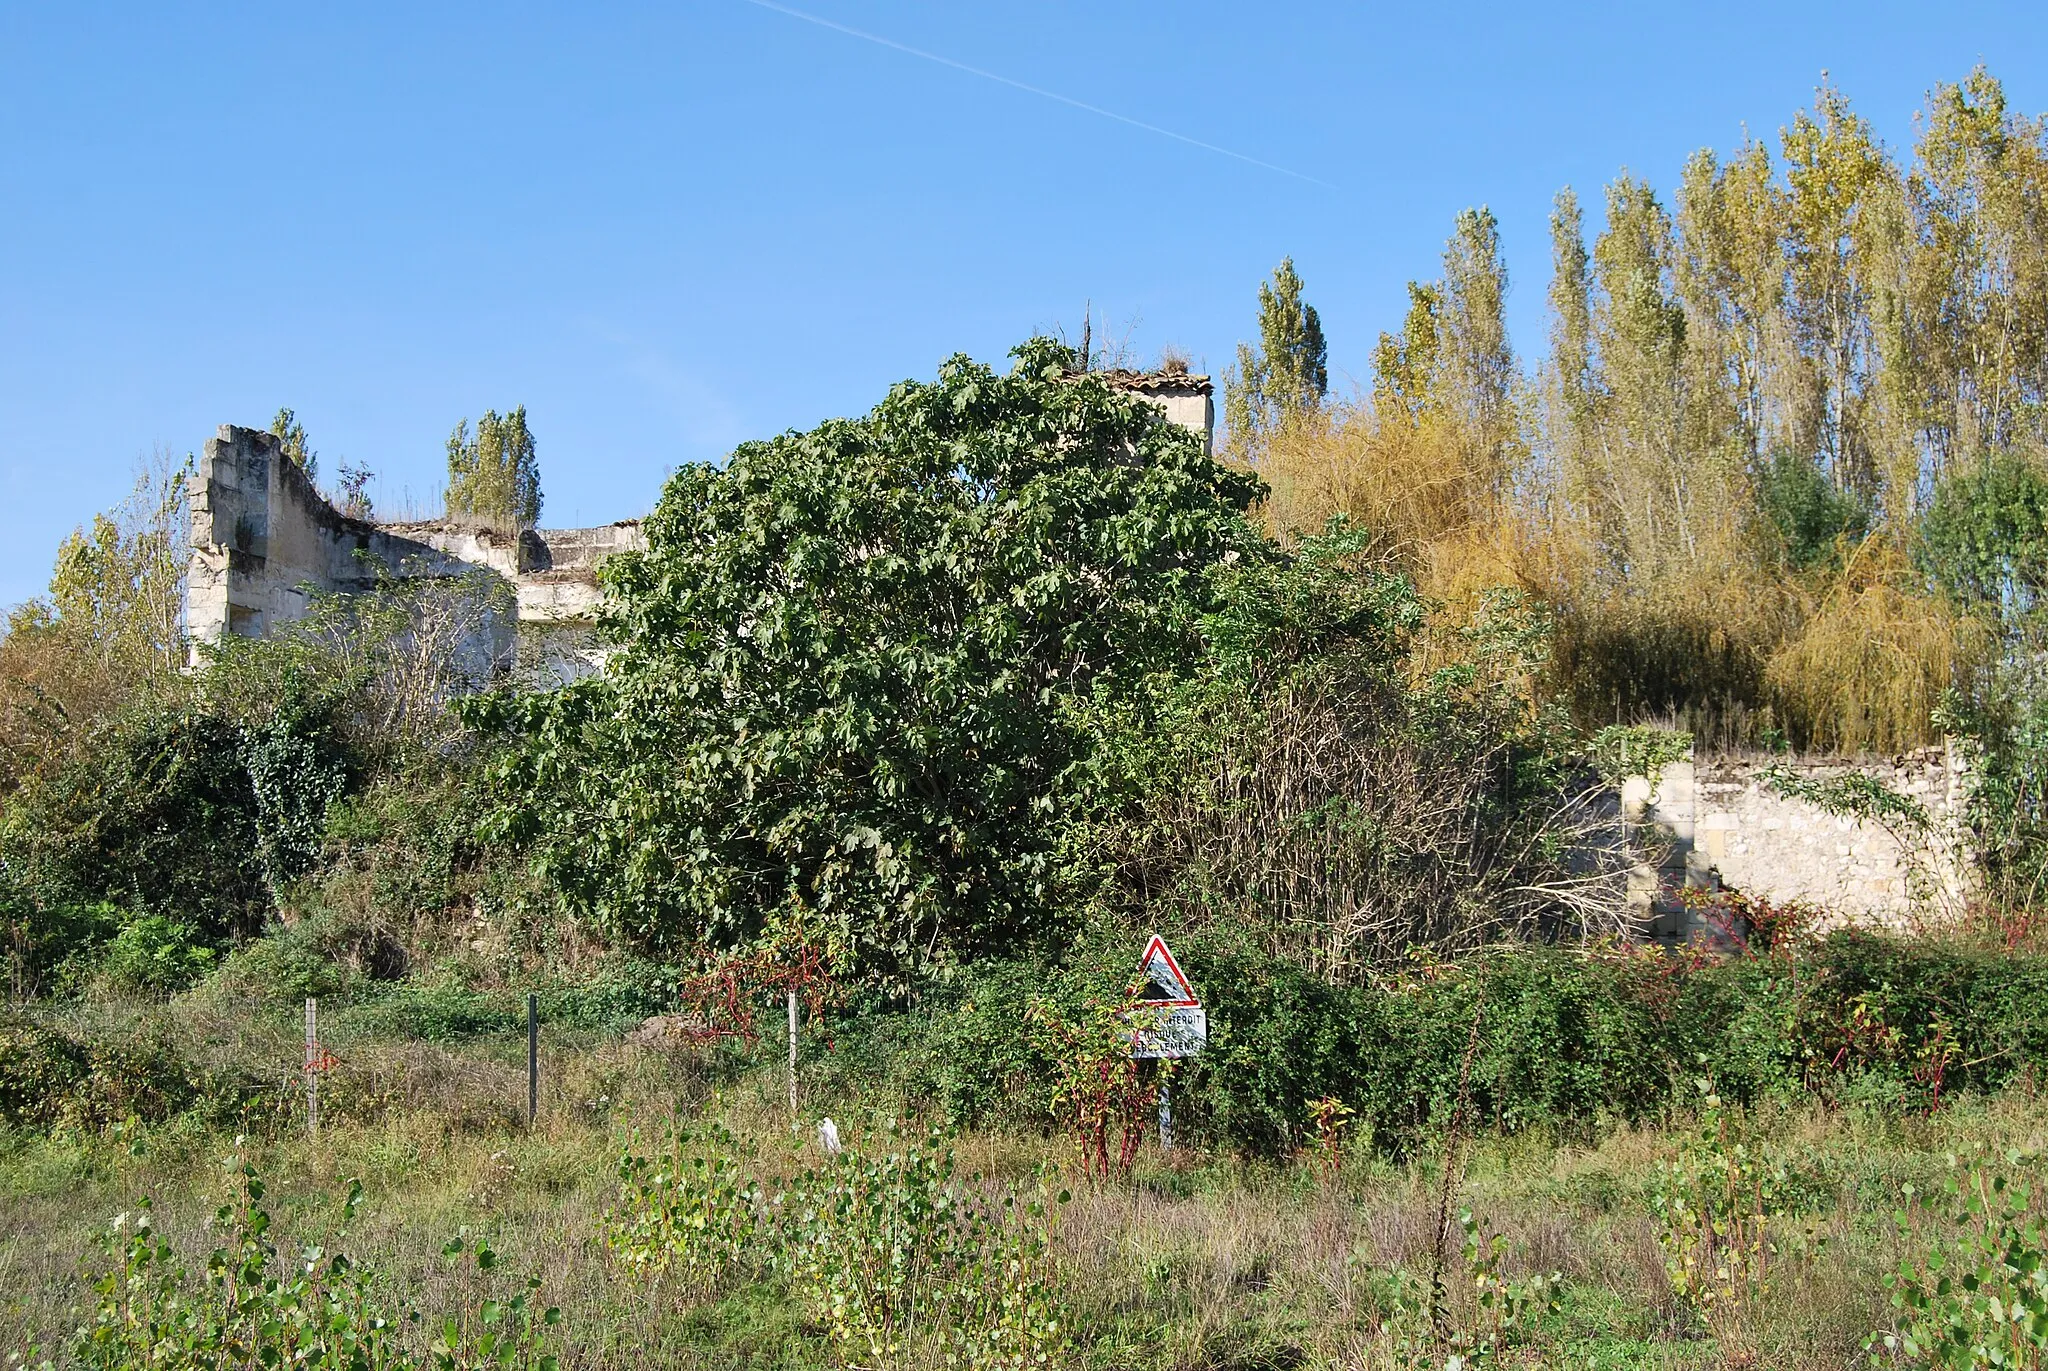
point(265, 541)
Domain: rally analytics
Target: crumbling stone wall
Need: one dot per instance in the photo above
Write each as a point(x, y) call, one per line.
point(264, 539)
point(1717, 823)
point(265, 542)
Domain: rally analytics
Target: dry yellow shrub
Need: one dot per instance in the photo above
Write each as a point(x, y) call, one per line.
point(1408, 484)
point(1867, 668)
point(1707, 632)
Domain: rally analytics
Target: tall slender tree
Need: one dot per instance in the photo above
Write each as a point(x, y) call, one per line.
point(1571, 310)
point(1730, 270)
point(1636, 478)
point(1288, 373)
point(1477, 365)
point(1843, 214)
point(494, 475)
point(1978, 300)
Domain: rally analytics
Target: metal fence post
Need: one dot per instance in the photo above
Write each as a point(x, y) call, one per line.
point(532, 1059)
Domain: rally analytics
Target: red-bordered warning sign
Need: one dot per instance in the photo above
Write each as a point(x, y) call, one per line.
point(1161, 981)
point(1167, 1020)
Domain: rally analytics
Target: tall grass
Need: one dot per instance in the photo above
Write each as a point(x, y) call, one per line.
point(1199, 1262)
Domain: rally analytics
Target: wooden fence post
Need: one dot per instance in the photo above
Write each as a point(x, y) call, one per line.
point(792, 1059)
point(312, 1067)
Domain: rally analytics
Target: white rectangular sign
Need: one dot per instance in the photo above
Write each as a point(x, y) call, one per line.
point(1168, 1031)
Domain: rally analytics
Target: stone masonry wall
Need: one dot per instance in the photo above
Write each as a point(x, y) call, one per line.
point(265, 542)
point(1783, 849)
point(1716, 823)
point(264, 539)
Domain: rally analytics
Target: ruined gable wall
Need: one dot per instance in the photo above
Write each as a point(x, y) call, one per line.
point(262, 536)
point(265, 541)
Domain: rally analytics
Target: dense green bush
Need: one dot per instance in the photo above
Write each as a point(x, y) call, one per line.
point(38, 932)
point(1980, 1011)
point(397, 858)
point(1984, 542)
point(1815, 519)
point(179, 817)
point(159, 817)
point(287, 966)
point(1569, 1041)
point(154, 955)
point(845, 658)
point(204, 804)
point(49, 1076)
point(39, 1068)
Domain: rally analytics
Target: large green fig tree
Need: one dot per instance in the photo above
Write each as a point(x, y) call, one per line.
point(848, 663)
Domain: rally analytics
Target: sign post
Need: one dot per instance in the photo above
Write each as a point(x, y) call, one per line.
point(1168, 1021)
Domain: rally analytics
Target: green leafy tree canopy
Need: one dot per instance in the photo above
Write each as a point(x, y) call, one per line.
point(842, 697)
point(494, 475)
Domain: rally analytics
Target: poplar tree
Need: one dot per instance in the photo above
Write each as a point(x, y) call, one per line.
point(1843, 211)
point(1288, 374)
point(1476, 364)
point(1731, 279)
point(494, 475)
point(1636, 473)
point(292, 435)
point(1404, 364)
point(1571, 309)
point(1978, 314)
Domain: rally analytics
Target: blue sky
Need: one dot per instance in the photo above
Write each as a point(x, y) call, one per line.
point(668, 228)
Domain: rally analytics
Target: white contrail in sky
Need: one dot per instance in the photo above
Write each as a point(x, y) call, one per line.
point(1033, 90)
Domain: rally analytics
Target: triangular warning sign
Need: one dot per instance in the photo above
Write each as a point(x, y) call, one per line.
point(1160, 979)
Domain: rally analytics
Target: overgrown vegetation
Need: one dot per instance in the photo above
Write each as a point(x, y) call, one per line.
point(916, 723)
point(1779, 472)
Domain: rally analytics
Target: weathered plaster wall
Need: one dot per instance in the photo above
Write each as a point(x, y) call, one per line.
point(263, 538)
point(1189, 407)
point(1183, 399)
